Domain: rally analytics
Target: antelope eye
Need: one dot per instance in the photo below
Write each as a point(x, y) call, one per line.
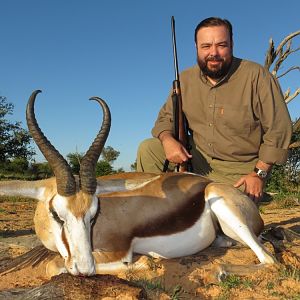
point(56, 217)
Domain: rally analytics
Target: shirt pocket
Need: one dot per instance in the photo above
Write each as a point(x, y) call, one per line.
point(234, 120)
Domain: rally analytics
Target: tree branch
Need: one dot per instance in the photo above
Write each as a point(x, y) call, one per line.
point(282, 54)
point(270, 55)
point(289, 70)
point(279, 56)
point(290, 98)
point(285, 40)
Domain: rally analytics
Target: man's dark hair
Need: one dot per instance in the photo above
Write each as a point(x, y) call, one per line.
point(211, 22)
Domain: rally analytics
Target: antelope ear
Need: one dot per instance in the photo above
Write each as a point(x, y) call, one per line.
point(41, 190)
point(46, 194)
point(45, 189)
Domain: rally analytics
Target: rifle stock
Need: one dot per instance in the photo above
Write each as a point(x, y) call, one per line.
point(178, 118)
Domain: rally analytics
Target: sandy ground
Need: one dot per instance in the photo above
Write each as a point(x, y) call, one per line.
point(190, 277)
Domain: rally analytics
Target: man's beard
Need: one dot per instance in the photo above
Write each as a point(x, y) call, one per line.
point(219, 71)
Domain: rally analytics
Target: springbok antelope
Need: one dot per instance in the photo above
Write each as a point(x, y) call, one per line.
point(97, 223)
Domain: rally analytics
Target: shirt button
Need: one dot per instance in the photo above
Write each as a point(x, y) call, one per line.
point(209, 144)
point(210, 124)
point(210, 105)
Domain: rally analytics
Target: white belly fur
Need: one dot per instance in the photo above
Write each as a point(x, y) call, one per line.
point(188, 242)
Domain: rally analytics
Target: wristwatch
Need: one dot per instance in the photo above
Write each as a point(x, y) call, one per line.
point(261, 173)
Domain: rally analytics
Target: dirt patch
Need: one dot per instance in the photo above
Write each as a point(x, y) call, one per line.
point(190, 277)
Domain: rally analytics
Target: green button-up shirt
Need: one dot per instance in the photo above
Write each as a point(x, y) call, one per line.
point(241, 118)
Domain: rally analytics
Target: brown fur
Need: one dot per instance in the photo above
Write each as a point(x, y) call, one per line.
point(51, 188)
point(42, 222)
point(65, 241)
point(171, 205)
point(106, 256)
point(79, 204)
point(126, 176)
point(54, 266)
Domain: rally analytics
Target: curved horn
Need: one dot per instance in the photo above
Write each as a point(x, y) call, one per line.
point(89, 161)
point(65, 181)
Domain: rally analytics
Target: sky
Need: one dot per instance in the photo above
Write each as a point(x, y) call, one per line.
point(120, 51)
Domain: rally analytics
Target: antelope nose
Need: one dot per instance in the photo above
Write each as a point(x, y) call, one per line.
point(86, 271)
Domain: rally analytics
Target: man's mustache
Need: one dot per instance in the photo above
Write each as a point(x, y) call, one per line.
point(215, 58)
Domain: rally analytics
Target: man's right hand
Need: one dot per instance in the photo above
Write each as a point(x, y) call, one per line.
point(174, 150)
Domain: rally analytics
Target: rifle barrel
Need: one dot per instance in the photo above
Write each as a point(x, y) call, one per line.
point(174, 48)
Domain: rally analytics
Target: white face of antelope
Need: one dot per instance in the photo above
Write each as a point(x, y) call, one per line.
point(71, 219)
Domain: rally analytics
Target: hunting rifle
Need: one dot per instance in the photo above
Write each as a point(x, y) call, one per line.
point(180, 125)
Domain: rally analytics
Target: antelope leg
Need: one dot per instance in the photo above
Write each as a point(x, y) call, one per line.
point(238, 217)
point(55, 266)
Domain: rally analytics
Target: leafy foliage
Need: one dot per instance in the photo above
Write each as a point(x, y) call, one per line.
point(41, 170)
point(109, 154)
point(20, 168)
point(103, 166)
point(18, 164)
point(286, 179)
point(133, 166)
point(14, 140)
point(74, 160)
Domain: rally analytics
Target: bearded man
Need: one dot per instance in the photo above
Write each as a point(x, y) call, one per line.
point(236, 112)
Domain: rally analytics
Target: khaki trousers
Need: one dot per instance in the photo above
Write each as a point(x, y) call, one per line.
point(151, 158)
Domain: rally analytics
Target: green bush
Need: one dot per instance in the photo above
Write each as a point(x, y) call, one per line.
point(104, 168)
point(41, 170)
point(286, 179)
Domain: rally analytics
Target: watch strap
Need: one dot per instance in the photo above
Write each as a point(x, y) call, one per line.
point(260, 173)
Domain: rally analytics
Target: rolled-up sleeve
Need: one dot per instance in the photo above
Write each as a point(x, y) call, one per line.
point(275, 121)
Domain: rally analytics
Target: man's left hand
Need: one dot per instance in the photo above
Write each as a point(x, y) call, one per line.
point(253, 186)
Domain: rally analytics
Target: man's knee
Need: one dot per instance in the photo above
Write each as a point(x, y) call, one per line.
point(145, 146)
point(150, 155)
